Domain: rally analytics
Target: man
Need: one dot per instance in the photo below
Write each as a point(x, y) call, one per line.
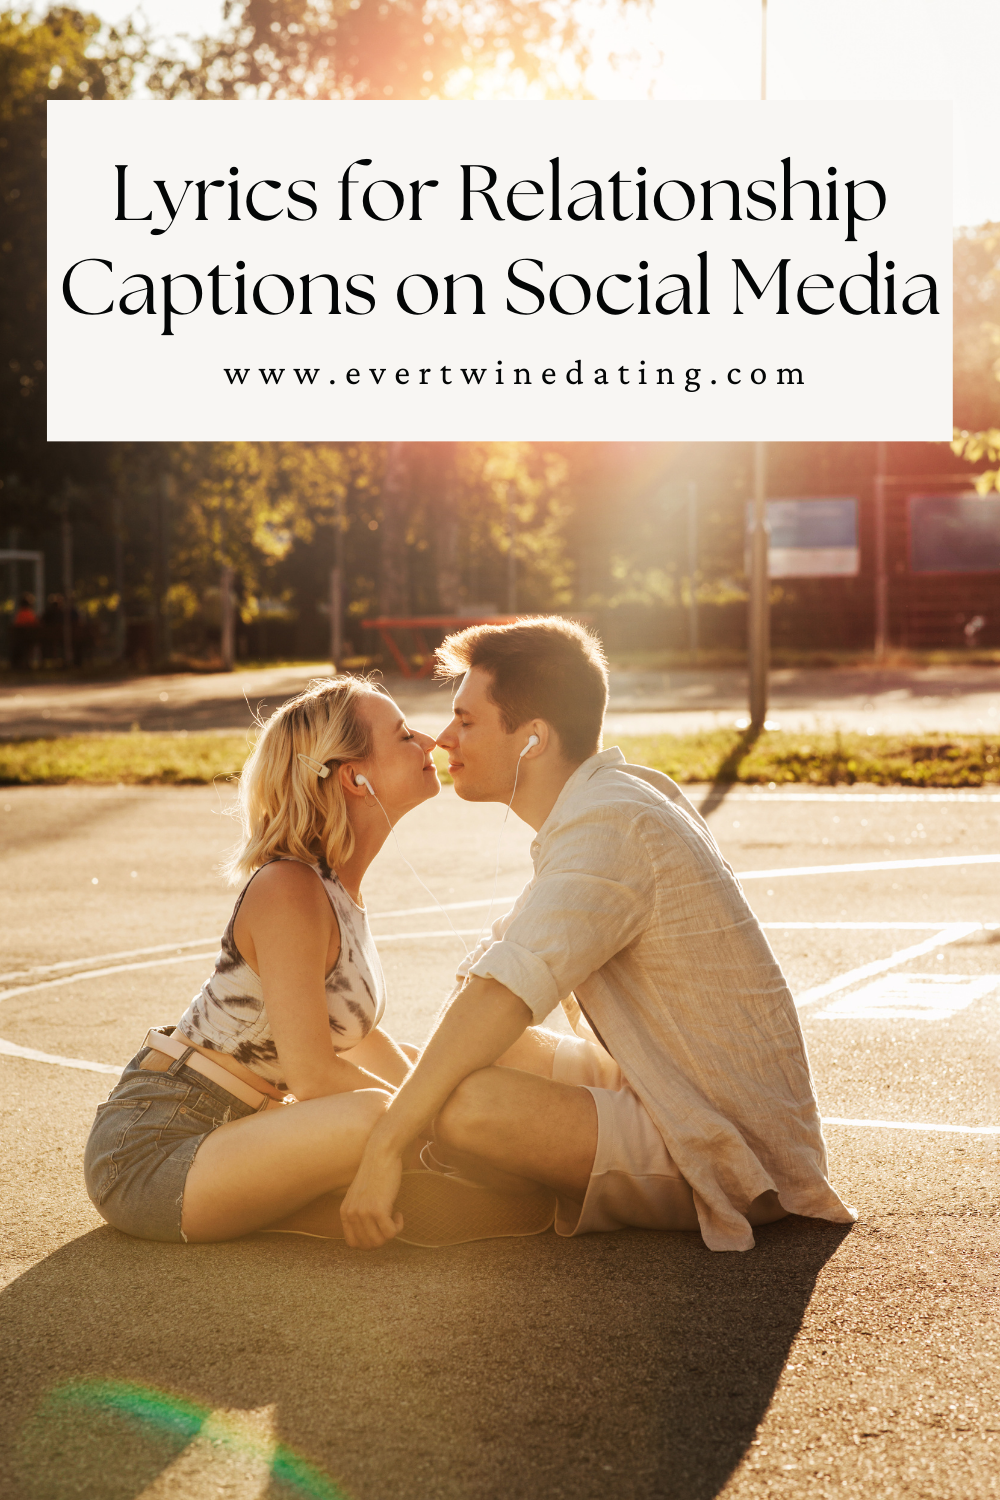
point(684, 1099)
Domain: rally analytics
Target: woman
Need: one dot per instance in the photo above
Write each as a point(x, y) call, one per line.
point(197, 1141)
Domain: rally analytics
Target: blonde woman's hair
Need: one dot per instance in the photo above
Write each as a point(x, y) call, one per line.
point(285, 807)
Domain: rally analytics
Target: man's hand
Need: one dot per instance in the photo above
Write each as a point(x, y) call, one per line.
point(481, 1022)
point(366, 1212)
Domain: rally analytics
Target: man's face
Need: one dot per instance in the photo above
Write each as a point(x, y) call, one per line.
point(482, 756)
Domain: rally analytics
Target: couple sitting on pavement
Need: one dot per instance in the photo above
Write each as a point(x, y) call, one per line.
point(682, 1100)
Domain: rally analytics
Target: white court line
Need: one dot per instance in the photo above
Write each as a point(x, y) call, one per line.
point(403, 937)
point(156, 963)
point(443, 932)
point(103, 958)
point(420, 911)
point(864, 926)
point(854, 869)
point(908, 1125)
point(204, 942)
point(876, 864)
point(949, 934)
point(779, 794)
point(423, 911)
point(11, 1049)
point(185, 958)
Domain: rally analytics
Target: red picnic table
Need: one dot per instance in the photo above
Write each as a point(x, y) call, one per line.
point(387, 624)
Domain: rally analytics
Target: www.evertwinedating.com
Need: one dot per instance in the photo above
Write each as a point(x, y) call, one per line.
point(484, 376)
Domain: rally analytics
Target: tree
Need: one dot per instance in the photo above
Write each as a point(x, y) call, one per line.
point(259, 507)
point(65, 55)
point(373, 49)
point(977, 350)
point(975, 447)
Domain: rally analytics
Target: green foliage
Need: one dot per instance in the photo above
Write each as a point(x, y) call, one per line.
point(375, 49)
point(65, 55)
point(820, 759)
point(271, 511)
point(721, 755)
point(591, 527)
point(977, 446)
point(977, 327)
point(977, 351)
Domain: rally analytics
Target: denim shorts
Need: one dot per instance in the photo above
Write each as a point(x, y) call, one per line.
point(143, 1141)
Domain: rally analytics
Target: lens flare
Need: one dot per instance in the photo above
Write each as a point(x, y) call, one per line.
point(164, 1414)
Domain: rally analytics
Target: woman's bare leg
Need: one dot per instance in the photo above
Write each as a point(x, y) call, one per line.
point(379, 1054)
point(256, 1170)
point(533, 1052)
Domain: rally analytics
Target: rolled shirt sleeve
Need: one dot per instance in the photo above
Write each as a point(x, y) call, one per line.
point(593, 893)
point(496, 932)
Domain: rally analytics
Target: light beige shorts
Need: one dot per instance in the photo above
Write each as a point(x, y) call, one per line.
point(634, 1182)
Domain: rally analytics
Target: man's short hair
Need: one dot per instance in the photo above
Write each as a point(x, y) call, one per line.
point(542, 667)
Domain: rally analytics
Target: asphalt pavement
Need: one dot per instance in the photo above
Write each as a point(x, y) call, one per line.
point(896, 700)
point(828, 1361)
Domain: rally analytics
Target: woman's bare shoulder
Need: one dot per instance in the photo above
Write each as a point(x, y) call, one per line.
point(286, 882)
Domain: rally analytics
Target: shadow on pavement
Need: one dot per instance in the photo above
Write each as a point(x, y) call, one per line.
point(729, 770)
point(47, 823)
point(632, 1364)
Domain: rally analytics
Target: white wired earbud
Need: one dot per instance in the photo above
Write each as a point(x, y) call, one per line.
point(532, 740)
point(324, 771)
point(363, 781)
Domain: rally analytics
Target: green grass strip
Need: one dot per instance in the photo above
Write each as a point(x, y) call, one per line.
point(816, 759)
point(819, 759)
point(136, 759)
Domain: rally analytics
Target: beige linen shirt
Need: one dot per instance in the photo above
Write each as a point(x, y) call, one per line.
point(633, 910)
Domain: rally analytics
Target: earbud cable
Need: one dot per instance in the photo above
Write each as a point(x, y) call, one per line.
point(417, 878)
point(496, 872)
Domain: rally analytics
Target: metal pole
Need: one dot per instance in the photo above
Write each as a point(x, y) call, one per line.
point(67, 580)
point(881, 573)
point(511, 554)
point(13, 535)
point(693, 570)
point(226, 601)
point(119, 578)
point(336, 617)
point(337, 589)
point(763, 49)
point(166, 495)
point(758, 632)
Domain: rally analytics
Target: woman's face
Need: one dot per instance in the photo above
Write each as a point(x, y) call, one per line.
point(399, 768)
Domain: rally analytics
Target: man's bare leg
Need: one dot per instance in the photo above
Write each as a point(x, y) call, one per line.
point(523, 1126)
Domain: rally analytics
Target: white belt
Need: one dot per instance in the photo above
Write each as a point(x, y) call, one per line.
point(158, 1041)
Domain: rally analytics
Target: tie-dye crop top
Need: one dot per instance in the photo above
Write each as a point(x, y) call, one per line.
point(228, 1015)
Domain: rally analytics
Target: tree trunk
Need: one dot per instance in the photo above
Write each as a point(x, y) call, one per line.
point(448, 577)
point(394, 592)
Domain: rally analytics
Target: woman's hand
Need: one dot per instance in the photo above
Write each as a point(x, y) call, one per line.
point(367, 1210)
